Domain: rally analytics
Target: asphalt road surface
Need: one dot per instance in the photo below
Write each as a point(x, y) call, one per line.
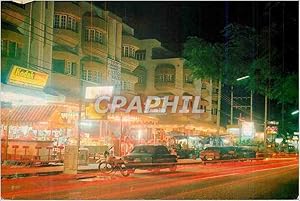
point(274, 179)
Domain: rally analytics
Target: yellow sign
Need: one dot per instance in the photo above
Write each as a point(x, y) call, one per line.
point(92, 114)
point(23, 76)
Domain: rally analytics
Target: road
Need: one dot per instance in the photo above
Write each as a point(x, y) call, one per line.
point(273, 179)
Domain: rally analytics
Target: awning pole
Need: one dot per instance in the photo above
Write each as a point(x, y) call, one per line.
point(6, 145)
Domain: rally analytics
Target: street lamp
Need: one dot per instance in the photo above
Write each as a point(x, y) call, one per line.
point(242, 78)
point(295, 112)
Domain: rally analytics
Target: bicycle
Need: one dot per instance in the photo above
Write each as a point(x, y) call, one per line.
point(112, 164)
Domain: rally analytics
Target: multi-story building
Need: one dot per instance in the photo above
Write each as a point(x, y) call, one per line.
point(161, 73)
point(78, 45)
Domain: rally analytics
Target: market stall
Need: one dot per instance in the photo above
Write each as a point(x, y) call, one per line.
point(35, 132)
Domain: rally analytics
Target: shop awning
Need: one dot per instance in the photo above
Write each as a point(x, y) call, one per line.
point(27, 96)
point(27, 114)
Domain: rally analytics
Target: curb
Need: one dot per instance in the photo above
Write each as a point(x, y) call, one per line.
point(196, 162)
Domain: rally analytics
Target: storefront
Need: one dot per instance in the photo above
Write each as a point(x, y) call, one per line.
point(32, 122)
point(29, 129)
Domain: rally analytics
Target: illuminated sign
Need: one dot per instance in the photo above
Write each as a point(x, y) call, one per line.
point(23, 76)
point(95, 92)
point(248, 129)
point(91, 114)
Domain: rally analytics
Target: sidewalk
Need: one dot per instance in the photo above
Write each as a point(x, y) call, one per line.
point(21, 171)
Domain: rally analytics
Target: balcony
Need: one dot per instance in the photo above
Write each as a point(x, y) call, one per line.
point(129, 63)
point(130, 40)
point(13, 13)
point(67, 8)
point(204, 102)
point(188, 86)
point(215, 97)
point(66, 37)
point(58, 82)
point(94, 48)
point(204, 93)
point(159, 85)
point(140, 87)
point(94, 21)
point(204, 115)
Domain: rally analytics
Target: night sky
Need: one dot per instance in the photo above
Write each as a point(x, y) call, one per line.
point(173, 22)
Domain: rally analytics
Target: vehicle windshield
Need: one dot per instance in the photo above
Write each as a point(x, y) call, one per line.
point(144, 149)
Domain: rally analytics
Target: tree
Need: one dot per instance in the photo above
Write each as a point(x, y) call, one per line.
point(245, 52)
point(203, 58)
point(226, 61)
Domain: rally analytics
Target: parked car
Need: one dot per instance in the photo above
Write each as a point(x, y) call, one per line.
point(244, 152)
point(217, 153)
point(151, 157)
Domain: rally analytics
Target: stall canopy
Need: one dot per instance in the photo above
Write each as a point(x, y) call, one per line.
point(27, 114)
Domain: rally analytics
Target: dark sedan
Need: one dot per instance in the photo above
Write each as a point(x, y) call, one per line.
point(244, 152)
point(151, 157)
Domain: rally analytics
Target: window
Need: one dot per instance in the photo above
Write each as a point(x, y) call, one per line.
point(188, 79)
point(140, 55)
point(10, 48)
point(69, 22)
point(203, 107)
point(166, 78)
point(58, 65)
point(70, 68)
point(56, 21)
point(65, 22)
point(4, 47)
point(215, 91)
point(214, 111)
point(128, 51)
point(93, 35)
point(92, 76)
point(127, 86)
point(98, 77)
point(86, 36)
point(162, 150)
point(141, 80)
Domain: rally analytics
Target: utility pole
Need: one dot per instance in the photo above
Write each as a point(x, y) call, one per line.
point(241, 105)
point(219, 107)
point(231, 106)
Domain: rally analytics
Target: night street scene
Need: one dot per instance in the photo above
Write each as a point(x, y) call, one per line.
point(183, 100)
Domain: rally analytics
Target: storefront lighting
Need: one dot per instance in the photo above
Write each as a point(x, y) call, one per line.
point(22, 1)
point(278, 140)
point(21, 99)
point(86, 123)
point(94, 92)
point(139, 134)
point(43, 123)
